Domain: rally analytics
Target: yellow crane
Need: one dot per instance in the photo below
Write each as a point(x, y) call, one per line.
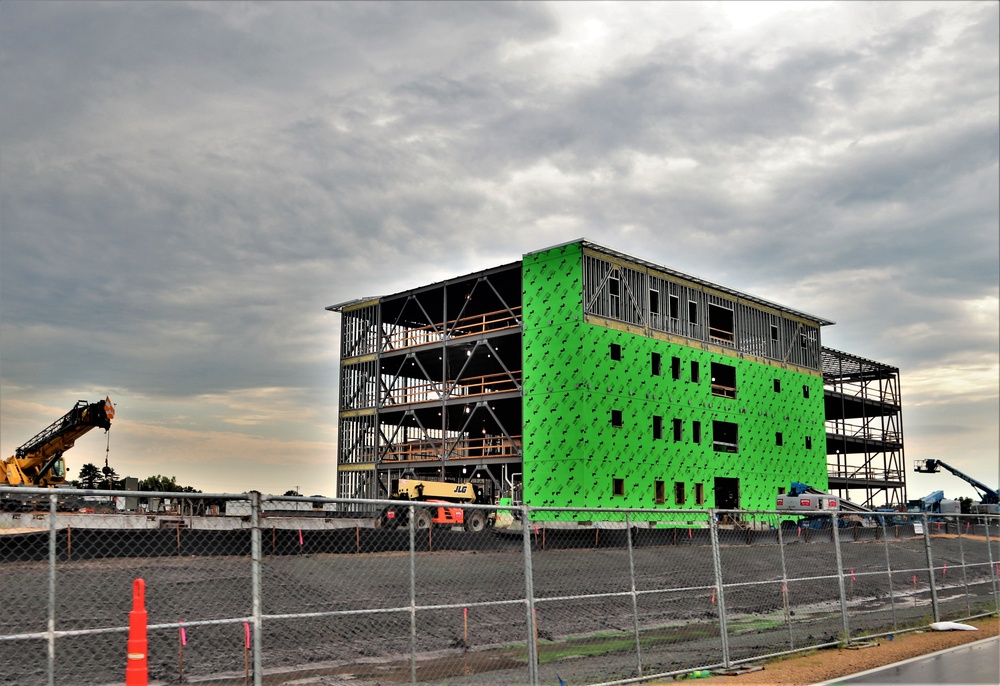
point(39, 462)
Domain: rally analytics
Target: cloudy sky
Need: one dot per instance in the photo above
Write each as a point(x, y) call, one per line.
point(186, 186)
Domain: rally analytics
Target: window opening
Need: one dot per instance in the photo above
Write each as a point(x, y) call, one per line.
point(720, 323)
point(618, 486)
point(699, 494)
point(616, 351)
point(695, 372)
point(696, 432)
point(675, 307)
point(779, 439)
point(616, 418)
point(654, 301)
point(657, 427)
point(692, 312)
point(679, 492)
point(725, 437)
point(678, 430)
point(777, 385)
point(675, 368)
point(805, 391)
point(615, 292)
point(723, 380)
point(659, 492)
point(655, 363)
point(809, 442)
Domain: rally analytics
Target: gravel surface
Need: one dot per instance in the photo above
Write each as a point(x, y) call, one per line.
point(470, 622)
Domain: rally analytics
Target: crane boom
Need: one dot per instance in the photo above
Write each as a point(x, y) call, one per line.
point(989, 496)
point(39, 461)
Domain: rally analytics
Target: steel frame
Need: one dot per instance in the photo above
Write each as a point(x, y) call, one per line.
point(431, 384)
point(864, 424)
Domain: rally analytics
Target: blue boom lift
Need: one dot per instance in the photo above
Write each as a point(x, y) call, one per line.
point(989, 497)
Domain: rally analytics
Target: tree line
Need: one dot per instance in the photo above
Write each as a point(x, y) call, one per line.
point(94, 477)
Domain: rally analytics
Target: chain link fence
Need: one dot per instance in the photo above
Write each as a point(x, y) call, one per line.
point(253, 589)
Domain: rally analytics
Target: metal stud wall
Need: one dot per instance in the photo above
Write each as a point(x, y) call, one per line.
point(649, 298)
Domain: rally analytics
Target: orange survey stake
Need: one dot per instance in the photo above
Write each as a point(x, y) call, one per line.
point(137, 667)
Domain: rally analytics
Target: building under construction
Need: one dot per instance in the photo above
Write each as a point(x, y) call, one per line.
point(583, 377)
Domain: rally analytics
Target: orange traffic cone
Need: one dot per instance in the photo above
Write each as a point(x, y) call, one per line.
point(137, 669)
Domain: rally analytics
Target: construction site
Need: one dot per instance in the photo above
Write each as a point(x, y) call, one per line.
point(571, 454)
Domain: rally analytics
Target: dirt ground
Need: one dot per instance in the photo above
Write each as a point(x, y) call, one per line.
point(824, 665)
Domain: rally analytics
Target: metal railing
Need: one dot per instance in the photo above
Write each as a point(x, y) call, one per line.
point(275, 589)
point(841, 470)
point(408, 337)
point(479, 447)
point(470, 387)
point(863, 431)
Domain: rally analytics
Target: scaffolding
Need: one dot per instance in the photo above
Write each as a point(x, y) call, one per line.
point(864, 430)
point(431, 385)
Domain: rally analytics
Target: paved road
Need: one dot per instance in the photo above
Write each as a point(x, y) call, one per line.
point(972, 663)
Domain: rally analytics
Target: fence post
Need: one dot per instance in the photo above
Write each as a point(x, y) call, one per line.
point(720, 597)
point(784, 586)
point(835, 524)
point(993, 564)
point(255, 554)
point(413, 594)
point(53, 533)
point(635, 604)
point(930, 567)
point(529, 597)
point(961, 559)
point(888, 569)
